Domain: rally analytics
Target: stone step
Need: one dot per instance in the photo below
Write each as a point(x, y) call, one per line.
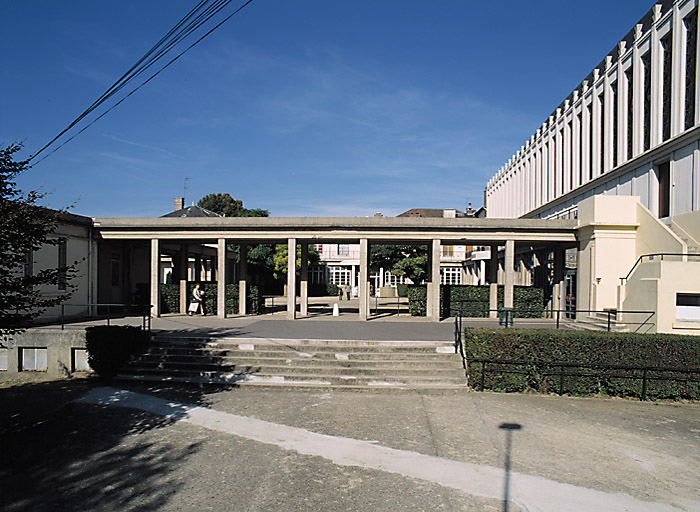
point(282, 378)
point(403, 357)
point(300, 363)
point(251, 359)
point(298, 370)
point(374, 386)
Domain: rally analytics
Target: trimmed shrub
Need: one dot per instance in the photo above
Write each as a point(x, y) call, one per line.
point(402, 290)
point(170, 298)
point(253, 304)
point(527, 301)
point(110, 347)
point(659, 350)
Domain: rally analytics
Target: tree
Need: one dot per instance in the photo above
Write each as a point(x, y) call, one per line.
point(225, 205)
point(24, 228)
point(410, 261)
point(281, 259)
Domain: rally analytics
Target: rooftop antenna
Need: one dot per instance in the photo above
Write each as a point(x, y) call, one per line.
point(184, 190)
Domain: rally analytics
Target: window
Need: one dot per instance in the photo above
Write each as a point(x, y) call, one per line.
point(29, 264)
point(33, 360)
point(691, 50)
point(339, 275)
point(646, 65)
point(343, 249)
point(613, 104)
point(664, 176)
point(630, 111)
point(601, 113)
point(590, 141)
point(62, 259)
point(79, 358)
point(448, 251)
point(316, 274)
point(3, 359)
point(667, 45)
point(451, 275)
point(688, 307)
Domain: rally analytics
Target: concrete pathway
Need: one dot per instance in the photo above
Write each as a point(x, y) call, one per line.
point(178, 448)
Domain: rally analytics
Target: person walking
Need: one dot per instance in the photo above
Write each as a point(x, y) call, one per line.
point(348, 289)
point(197, 303)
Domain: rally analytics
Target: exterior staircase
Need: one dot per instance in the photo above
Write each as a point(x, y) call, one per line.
point(300, 363)
point(598, 322)
point(689, 241)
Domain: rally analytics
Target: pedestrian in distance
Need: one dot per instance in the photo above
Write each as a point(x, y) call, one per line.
point(197, 301)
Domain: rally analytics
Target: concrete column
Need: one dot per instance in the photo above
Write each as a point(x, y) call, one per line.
point(291, 278)
point(482, 272)
point(304, 279)
point(558, 287)
point(243, 279)
point(364, 278)
point(434, 311)
point(221, 278)
point(493, 282)
point(509, 278)
point(155, 277)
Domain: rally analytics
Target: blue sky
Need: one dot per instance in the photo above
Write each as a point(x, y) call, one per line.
point(307, 108)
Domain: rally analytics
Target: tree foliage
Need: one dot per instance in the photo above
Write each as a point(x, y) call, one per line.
point(25, 227)
point(410, 261)
point(226, 205)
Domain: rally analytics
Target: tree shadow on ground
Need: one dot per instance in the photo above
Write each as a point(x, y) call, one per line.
point(60, 455)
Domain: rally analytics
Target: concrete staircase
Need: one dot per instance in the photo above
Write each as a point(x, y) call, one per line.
point(598, 322)
point(689, 241)
point(300, 363)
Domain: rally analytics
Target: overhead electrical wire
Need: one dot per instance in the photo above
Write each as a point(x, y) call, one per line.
point(193, 20)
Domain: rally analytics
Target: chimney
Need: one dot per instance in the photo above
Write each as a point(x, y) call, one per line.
point(179, 203)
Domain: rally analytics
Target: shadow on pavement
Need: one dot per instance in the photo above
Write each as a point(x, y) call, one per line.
point(60, 455)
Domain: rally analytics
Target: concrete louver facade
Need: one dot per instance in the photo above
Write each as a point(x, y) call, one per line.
point(629, 128)
point(621, 154)
point(557, 234)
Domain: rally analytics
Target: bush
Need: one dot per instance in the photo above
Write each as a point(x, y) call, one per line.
point(660, 350)
point(527, 301)
point(323, 290)
point(110, 347)
point(253, 304)
point(169, 298)
point(402, 290)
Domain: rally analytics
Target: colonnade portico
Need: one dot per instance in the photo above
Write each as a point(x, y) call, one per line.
point(219, 233)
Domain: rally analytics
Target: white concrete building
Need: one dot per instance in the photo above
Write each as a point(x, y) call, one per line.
point(631, 130)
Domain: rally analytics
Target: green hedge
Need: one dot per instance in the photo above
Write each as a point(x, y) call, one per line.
point(589, 348)
point(254, 303)
point(110, 347)
point(169, 298)
point(527, 301)
point(323, 290)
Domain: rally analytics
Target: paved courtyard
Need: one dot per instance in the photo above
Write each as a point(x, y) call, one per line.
point(76, 445)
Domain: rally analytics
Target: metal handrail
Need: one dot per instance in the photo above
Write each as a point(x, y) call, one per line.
point(145, 315)
point(662, 254)
point(567, 364)
point(608, 312)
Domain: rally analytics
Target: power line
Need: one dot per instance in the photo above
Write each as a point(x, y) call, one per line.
point(183, 29)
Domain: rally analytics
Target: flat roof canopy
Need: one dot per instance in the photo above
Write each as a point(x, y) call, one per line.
point(462, 231)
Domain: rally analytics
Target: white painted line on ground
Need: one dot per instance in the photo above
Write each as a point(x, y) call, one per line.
point(533, 493)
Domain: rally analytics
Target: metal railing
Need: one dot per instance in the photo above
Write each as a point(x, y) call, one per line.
point(563, 369)
point(110, 312)
point(557, 315)
point(659, 255)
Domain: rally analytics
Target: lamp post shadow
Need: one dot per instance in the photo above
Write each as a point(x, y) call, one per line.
point(509, 428)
